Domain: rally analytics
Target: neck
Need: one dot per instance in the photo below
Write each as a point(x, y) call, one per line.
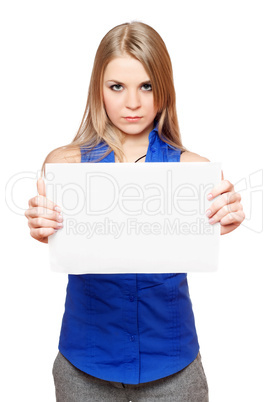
point(136, 139)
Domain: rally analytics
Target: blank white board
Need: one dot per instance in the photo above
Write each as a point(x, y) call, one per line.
point(133, 218)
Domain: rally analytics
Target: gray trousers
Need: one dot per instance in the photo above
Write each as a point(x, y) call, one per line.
point(73, 385)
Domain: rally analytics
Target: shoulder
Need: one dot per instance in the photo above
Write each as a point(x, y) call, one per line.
point(64, 155)
point(188, 156)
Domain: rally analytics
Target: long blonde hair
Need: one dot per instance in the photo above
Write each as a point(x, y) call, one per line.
point(142, 42)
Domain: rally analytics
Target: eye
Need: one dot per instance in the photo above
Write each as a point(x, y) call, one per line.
point(116, 87)
point(147, 87)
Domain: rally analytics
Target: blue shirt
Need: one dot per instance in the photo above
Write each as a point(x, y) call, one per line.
point(130, 328)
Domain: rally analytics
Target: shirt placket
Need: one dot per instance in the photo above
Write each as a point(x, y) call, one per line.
point(131, 336)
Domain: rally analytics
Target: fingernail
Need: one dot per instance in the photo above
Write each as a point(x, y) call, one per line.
point(59, 218)
point(58, 209)
point(209, 196)
point(208, 213)
point(59, 225)
point(211, 220)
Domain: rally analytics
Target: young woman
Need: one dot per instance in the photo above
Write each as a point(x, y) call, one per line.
point(129, 336)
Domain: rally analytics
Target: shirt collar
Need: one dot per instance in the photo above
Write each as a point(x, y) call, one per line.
point(153, 133)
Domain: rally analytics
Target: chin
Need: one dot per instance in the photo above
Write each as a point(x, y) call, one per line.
point(135, 129)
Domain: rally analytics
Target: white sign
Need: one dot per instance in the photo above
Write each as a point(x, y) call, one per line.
point(133, 218)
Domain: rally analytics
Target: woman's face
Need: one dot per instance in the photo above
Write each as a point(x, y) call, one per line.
point(128, 96)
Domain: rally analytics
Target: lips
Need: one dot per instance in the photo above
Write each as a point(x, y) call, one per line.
point(132, 118)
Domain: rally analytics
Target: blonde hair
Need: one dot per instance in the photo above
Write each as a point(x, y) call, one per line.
point(142, 42)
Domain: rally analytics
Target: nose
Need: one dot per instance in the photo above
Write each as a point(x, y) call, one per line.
point(133, 100)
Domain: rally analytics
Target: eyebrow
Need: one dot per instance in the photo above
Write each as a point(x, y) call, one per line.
point(121, 83)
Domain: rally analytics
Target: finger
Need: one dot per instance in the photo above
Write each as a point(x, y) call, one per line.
point(42, 233)
point(228, 228)
point(41, 201)
point(225, 210)
point(221, 201)
point(223, 187)
point(41, 212)
point(233, 218)
point(41, 187)
point(36, 223)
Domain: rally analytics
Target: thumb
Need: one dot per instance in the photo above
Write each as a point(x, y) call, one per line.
point(41, 187)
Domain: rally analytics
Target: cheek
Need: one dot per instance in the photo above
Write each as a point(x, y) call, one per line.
point(111, 105)
point(149, 104)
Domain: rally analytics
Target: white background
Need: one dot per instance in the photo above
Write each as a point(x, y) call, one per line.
point(219, 55)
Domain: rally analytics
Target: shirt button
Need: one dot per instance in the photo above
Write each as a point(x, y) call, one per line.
point(153, 149)
point(131, 298)
point(132, 338)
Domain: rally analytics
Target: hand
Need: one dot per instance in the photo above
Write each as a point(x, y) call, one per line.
point(43, 219)
point(227, 208)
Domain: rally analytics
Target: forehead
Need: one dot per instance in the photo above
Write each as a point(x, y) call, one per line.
point(125, 68)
